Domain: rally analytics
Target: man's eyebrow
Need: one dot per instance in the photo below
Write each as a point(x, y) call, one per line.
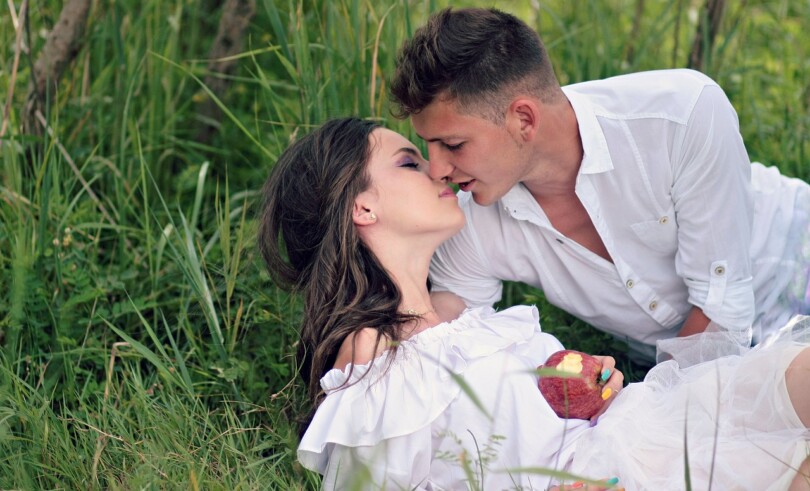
point(437, 139)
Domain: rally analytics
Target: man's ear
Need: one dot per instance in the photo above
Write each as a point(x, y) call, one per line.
point(361, 213)
point(523, 118)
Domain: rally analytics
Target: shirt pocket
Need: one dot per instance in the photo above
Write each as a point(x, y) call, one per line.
point(661, 234)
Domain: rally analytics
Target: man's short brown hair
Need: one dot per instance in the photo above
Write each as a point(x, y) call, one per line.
point(478, 58)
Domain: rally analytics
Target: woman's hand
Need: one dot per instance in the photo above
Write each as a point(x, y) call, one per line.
point(613, 380)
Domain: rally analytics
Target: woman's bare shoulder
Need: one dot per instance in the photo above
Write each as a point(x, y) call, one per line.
point(448, 305)
point(366, 348)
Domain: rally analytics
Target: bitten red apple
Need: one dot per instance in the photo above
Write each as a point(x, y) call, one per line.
point(577, 395)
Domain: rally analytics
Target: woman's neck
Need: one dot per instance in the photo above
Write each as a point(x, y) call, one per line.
point(408, 262)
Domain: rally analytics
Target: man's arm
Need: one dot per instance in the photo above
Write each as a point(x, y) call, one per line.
point(695, 323)
point(712, 196)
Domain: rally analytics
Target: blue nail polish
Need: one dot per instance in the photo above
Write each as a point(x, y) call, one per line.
point(593, 422)
point(605, 374)
point(613, 481)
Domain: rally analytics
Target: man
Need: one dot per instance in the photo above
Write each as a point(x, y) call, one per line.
point(630, 201)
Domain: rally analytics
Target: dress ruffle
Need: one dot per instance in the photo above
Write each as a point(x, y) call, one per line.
point(388, 398)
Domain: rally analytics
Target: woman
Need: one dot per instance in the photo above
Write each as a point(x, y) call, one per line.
point(413, 397)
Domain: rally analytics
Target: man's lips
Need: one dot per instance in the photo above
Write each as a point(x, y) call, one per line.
point(465, 186)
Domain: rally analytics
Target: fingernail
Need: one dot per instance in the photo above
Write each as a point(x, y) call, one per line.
point(613, 481)
point(577, 485)
point(606, 393)
point(605, 374)
point(593, 421)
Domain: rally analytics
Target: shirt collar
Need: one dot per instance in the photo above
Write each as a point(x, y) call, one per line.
point(596, 157)
point(519, 203)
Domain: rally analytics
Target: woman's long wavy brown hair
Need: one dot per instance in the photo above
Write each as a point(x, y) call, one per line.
point(310, 244)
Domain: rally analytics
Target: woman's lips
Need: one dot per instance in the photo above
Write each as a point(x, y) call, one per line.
point(447, 192)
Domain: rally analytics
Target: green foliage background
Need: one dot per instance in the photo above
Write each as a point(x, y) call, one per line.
point(143, 346)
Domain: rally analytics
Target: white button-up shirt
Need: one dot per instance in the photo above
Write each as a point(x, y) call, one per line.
point(666, 180)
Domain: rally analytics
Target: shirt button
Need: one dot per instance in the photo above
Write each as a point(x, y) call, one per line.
point(653, 305)
point(719, 271)
point(630, 283)
point(663, 220)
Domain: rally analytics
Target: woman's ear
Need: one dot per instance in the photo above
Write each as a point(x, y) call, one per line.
point(362, 214)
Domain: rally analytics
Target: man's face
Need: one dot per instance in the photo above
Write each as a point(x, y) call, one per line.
point(480, 156)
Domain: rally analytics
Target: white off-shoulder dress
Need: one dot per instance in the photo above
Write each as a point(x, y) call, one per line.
point(457, 407)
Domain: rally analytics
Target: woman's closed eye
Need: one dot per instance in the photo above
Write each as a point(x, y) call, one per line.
point(410, 164)
point(453, 148)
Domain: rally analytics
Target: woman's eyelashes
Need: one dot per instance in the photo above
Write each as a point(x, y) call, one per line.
point(410, 164)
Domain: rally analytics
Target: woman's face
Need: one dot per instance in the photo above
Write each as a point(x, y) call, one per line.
point(404, 199)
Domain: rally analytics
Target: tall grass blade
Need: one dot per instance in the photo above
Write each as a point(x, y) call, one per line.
point(178, 356)
point(198, 197)
point(465, 387)
point(687, 474)
point(193, 269)
point(150, 355)
point(221, 105)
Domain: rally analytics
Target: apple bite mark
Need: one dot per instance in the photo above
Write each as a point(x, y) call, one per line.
point(576, 392)
point(571, 363)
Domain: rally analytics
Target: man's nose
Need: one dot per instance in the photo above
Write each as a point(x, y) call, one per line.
point(440, 166)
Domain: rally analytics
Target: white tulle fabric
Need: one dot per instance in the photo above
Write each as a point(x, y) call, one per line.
point(459, 403)
point(731, 416)
point(715, 342)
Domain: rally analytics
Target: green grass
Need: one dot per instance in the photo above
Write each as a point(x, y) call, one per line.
point(143, 346)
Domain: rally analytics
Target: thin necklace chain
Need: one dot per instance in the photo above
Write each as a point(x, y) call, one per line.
point(419, 314)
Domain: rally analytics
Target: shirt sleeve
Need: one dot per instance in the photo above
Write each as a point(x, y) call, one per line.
point(713, 206)
point(461, 266)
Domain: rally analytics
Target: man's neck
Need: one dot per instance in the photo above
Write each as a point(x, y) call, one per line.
point(559, 154)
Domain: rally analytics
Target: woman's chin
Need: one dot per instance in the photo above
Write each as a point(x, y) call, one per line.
point(459, 224)
point(453, 230)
